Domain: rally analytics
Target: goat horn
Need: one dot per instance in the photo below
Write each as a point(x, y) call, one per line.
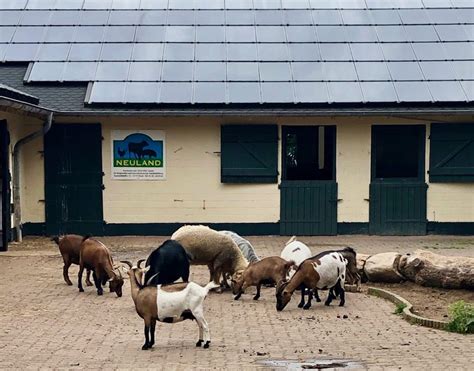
point(127, 262)
point(151, 278)
point(140, 262)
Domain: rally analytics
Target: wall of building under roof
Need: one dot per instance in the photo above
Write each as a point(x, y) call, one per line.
point(193, 191)
point(31, 166)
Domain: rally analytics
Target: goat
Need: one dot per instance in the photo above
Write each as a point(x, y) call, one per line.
point(170, 304)
point(167, 263)
point(273, 269)
point(324, 271)
point(96, 256)
point(149, 152)
point(205, 246)
point(353, 276)
point(70, 247)
point(137, 148)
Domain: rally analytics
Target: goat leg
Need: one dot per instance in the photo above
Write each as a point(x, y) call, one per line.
point(97, 282)
point(88, 277)
point(79, 278)
point(147, 339)
point(330, 297)
point(301, 304)
point(316, 295)
point(67, 264)
point(152, 332)
point(310, 297)
point(257, 296)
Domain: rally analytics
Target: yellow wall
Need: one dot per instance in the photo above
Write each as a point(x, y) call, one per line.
point(193, 192)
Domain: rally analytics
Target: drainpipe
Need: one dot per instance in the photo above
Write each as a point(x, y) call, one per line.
point(16, 171)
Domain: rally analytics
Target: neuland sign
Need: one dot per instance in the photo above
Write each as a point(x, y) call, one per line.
point(138, 154)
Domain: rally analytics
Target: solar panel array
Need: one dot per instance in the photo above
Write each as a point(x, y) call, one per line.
point(247, 51)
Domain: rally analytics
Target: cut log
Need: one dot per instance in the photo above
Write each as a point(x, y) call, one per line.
point(361, 259)
point(429, 269)
point(383, 267)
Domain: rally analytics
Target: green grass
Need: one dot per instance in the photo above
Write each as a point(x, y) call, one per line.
point(462, 317)
point(399, 308)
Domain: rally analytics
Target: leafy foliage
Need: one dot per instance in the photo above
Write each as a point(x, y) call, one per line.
point(462, 317)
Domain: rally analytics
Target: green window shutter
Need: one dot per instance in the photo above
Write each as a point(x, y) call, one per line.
point(249, 153)
point(452, 153)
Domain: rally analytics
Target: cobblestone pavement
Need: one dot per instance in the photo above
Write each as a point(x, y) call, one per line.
point(46, 324)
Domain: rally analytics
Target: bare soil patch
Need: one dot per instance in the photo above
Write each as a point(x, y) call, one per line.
point(427, 302)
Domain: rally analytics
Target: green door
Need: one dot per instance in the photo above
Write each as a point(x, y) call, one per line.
point(308, 189)
point(73, 175)
point(398, 188)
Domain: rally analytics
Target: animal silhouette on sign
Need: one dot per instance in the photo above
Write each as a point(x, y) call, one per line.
point(122, 152)
point(137, 148)
point(149, 152)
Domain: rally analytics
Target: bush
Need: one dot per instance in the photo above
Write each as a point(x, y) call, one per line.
point(399, 308)
point(462, 317)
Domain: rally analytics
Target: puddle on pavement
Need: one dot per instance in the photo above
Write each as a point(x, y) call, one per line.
point(310, 364)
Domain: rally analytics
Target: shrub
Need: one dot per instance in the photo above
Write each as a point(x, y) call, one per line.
point(399, 308)
point(462, 317)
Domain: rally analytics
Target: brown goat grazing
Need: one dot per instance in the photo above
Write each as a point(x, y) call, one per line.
point(70, 247)
point(96, 256)
point(273, 269)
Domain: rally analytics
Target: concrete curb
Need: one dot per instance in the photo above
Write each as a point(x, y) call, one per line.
point(407, 313)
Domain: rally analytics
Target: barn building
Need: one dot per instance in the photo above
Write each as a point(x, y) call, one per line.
point(307, 117)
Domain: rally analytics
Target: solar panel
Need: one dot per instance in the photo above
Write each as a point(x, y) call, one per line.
point(154, 4)
point(446, 91)
point(464, 70)
point(68, 4)
point(271, 34)
point(89, 34)
point(327, 17)
point(239, 17)
point(116, 52)
point(245, 71)
point(243, 92)
point(125, 17)
point(438, 70)
point(153, 17)
point(335, 52)
point(64, 18)
point(241, 52)
point(180, 17)
point(9, 17)
point(79, 71)
point(210, 17)
point(302, 34)
point(414, 16)
point(344, 92)
point(112, 71)
point(53, 52)
point(297, 17)
point(398, 52)
point(277, 92)
point(238, 4)
point(267, 4)
point(273, 52)
point(21, 52)
point(40, 4)
point(451, 33)
point(61, 34)
point(28, 34)
point(235, 34)
point(409, 91)
point(47, 71)
point(97, 4)
point(35, 18)
point(107, 92)
point(177, 71)
point(210, 71)
point(6, 33)
point(468, 87)
point(150, 34)
point(361, 34)
point(367, 52)
point(429, 51)
point(421, 33)
point(179, 52)
point(148, 52)
point(141, 92)
point(391, 34)
point(268, 17)
point(85, 52)
point(206, 34)
point(126, 4)
point(356, 16)
point(180, 34)
point(339, 71)
point(307, 71)
point(372, 71)
point(275, 72)
point(176, 92)
point(209, 92)
point(378, 91)
point(13, 4)
point(145, 71)
point(94, 18)
point(304, 52)
point(405, 71)
point(331, 33)
point(311, 92)
point(119, 33)
point(385, 17)
point(210, 52)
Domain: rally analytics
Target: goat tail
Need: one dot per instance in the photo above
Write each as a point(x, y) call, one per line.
point(292, 239)
point(86, 237)
point(55, 239)
point(211, 285)
point(289, 264)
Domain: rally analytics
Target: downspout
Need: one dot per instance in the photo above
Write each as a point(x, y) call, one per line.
point(16, 172)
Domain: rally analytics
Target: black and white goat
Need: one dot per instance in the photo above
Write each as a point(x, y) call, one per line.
point(167, 263)
point(170, 304)
point(326, 270)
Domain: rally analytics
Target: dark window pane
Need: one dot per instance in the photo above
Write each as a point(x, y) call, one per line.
point(275, 72)
point(446, 91)
point(148, 52)
point(144, 71)
point(297, 17)
point(107, 92)
point(239, 17)
point(25, 34)
point(304, 52)
point(367, 52)
point(209, 92)
point(210, 34)
point(210, 17)
point(268, 17)
point(210, 71)
point(119, 33)
point(94, 18)
point(47, 71)
point(398, 52)
point(177, 71)
point(324, 17)
point(409, 91)
point(89, 34)
point(210, 52)
point(273, 52)
point(79, 71)
point(59, 34)
point(112, 71)
point(271, 34)
point(311, 92)
point(277, 92)
point(150, 34)
point(378, 92)
point(241, 52)
point(176, 92)
point(240, 34)
point(335, 52)
point(53, 52)
point(342, 92)
point(372, 71)
point(84, 52)
point(179, 52)
point(307, 71)
point(242, 71)
point(116, 52)
point(339, 71)
point(243, 92)
point(438, 70)
point(301, 34)
point(21, 52)
point(405, 70)
point(180, 34)
point(180, 17)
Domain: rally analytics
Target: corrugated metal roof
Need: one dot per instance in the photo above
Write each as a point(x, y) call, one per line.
point(247, 51)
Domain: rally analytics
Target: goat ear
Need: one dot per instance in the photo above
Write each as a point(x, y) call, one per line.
point(146, 269)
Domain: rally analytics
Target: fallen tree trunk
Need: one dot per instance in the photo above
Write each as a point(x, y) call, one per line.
point(383, 267)
point(361, 259)
point(428, 269)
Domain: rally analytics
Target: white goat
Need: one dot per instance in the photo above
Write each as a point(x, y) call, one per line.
point(170, 304)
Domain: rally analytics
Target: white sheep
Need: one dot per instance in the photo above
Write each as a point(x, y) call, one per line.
point(170, 304)
point(206, 246)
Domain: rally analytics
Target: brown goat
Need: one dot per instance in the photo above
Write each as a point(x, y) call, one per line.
point(96, 256)
point(273, 269)
point(70, 247)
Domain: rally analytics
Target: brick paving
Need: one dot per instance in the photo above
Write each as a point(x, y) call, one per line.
point(46, 324)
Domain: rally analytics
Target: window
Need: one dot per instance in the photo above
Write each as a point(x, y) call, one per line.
point(452, 153)
point(249, 153)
